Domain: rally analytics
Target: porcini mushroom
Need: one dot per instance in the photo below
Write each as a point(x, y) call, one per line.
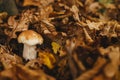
point(30, 38)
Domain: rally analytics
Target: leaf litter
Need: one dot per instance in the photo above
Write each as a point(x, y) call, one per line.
point(81, 40)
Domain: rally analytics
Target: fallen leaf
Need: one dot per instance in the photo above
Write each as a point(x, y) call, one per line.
point(47, 59)
point(114, 55)
point(3, 15)
point(7, 59)
point(31, 3)
point(55, 47)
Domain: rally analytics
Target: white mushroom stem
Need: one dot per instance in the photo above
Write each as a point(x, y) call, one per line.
point(29, 52)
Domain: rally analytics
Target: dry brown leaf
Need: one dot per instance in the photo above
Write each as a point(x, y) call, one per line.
point(114, 55)
point(20, 72)
point(75, 11)
point(94, 7)
point(88, 2)
point(94, 25)
point(99, 77)
point(21, 24)
point(12, 22)
point(24, 21)
point(44, 29)
point(92, 72)
point(35, 64)
point(45, 12)
point(24, 73)
point(7, 59)
point(8, 74)
point(110, 29)
point(46, 2)
point(3, 15)
point(31, 3)
point(110, 70)
point(49, 28)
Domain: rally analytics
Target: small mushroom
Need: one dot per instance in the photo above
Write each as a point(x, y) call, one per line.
point(30, 38)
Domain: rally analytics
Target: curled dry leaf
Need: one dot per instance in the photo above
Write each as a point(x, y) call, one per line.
point(8, 74)
point(46, 26)
point(49, 27)
point(31, 3)
point(35, 64)
point(44, 29)
point(110, 70)
point(117, 27)
point(75, 11)
point(25, 20)
point(12, 22)
point(10, 60)
point(88, 2)
point(46, 2)
point(99, 77)
point(94, 25)
point(90, 73)
point(7, 59)
point(110, 29)
point(3, 15)
point(24, 73)
point(45, 12)
point(114, 55)
point(94, 7)
point(21, 24)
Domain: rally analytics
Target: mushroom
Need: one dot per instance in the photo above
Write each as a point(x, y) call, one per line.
point(30, 38)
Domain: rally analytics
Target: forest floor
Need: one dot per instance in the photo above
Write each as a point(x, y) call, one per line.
point(81, 40)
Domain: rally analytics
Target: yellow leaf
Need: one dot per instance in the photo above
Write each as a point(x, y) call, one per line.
point(47, 59)
point(55, 47)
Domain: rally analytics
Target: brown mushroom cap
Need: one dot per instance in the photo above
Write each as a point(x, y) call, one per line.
point(30, 37)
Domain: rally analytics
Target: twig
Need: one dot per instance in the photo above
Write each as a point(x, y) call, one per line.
point(70, 45)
